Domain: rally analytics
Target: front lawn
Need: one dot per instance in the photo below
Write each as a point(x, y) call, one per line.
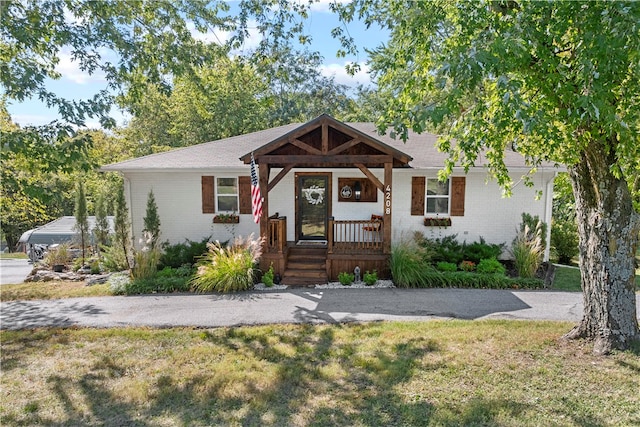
point(568, 279)
point(452, 373)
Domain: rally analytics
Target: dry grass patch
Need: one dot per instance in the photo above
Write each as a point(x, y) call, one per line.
point(432, 373)
point(51, 290)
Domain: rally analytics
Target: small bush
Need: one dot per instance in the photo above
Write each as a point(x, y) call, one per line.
point(477, 251)
point(118, 283)
point(370, 279)
point(183, 271)
point(267, 278)
point(228, 269)
point(491, 266)
point(446, 266)
point(346, 278)
point(467, 265)
point(183, 253)
point(158, 284)
point(564, 240)
point(446, 249)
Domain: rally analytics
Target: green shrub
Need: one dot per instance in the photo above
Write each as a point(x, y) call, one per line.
point(346, 278)
point(467, 265)
point(446, 266)
point(528, 250)
point(182, 271)
point(183, 253)
point(370, 279)
point(446, 249)
point(409, 264)
point(158, 284)
point(267, 278)
point(564, 240)
point(118, 283)
point(477, 251)
point(463, 279)
point(228, 269)
point(491, 266)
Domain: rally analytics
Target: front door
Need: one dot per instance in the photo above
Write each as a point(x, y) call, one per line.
point(313, 196)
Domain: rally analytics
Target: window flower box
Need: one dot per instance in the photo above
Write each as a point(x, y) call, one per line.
point(437, 222)
point(226, 219)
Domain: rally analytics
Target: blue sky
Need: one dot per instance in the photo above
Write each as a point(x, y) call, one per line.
point(75, 84)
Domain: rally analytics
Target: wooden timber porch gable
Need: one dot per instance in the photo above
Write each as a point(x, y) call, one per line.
point(325, 144)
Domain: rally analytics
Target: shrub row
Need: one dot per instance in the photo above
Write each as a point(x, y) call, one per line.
point(463, 279)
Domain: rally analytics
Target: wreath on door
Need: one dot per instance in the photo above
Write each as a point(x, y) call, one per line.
point(314, 195)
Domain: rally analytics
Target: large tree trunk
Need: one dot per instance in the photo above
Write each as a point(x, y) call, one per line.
point(608, 228)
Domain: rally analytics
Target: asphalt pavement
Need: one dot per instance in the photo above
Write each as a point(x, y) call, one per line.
point(14, 270)
point(292, 306)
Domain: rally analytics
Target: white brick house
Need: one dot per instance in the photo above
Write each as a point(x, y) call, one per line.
point(355, 173)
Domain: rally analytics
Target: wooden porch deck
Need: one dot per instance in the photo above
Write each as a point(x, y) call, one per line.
point(350, 243)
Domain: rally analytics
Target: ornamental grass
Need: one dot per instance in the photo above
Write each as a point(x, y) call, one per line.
point(229, 268)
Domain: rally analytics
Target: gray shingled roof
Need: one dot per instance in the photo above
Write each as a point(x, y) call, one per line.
point(226, 153)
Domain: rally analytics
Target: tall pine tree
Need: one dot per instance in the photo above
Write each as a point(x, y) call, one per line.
point(82, 219)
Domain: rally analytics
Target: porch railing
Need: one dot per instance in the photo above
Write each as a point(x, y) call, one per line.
point(277, 234)
point(345, 236)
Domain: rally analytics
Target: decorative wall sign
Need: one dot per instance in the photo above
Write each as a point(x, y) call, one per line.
point(368, 191)
point(346, 192)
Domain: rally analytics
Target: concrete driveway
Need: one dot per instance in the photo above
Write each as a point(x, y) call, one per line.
point(292, 306)
point(14, 270)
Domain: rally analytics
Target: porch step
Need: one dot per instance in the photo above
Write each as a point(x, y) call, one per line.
point(305, 267)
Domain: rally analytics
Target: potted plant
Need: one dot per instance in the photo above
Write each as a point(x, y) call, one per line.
point(226, 218)
point(437, 222)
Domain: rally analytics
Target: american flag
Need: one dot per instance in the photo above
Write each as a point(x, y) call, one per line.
point(256, 197)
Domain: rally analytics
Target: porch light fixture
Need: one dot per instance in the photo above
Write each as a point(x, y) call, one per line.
point(357, 189)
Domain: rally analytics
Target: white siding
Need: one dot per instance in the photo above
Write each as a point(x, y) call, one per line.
point(487, 213)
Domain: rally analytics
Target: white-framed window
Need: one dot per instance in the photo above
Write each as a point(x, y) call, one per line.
point(226, 194)
point(437, 197)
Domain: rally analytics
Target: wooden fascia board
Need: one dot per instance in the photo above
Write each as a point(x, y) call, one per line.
point(325, 159)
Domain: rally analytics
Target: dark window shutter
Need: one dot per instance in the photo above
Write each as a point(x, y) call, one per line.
point(244, 194)
point(417, 195)
point(458, 184)
point(208, 194)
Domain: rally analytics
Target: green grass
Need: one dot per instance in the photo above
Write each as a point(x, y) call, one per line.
point(452, 373)
point(13, 255)
point(51, 290)
point(568, 279)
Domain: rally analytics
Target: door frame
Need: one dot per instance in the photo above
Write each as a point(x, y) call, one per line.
point(328, 196)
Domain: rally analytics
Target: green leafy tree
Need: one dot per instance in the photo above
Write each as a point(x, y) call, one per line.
point(82, 217)
point(556, 81)
point(101, 228)
point(152, 220)
point(122, 226)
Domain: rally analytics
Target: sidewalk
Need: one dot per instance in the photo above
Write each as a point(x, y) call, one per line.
point(292, 306)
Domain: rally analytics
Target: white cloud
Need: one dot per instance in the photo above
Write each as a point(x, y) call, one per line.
point(211, 36)
point(324, 5)
point(32, 119)
point(70, 70)
point(339, 72)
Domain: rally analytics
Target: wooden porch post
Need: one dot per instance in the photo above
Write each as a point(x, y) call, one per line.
point(388, 186)
point(263, 170)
